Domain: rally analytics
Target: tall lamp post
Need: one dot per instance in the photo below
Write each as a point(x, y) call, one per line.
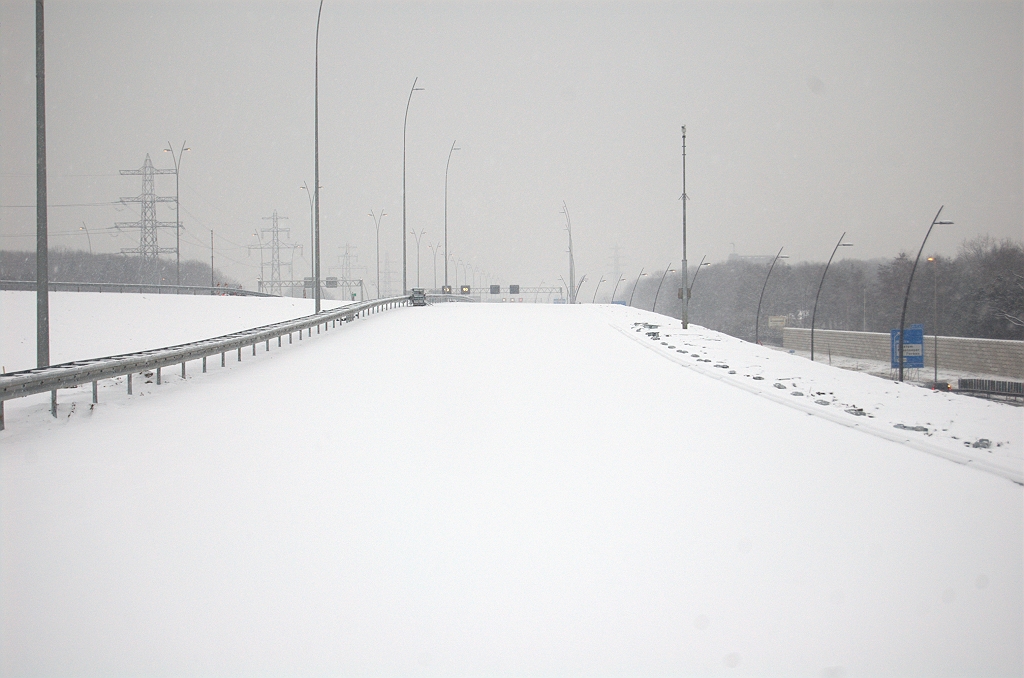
point(615, 289)
point(572, 260)
point(594, 300)
point(689, 290)
point(906, 297)
point(177, 216)
point(405, 127)
point(634, 286)
point(85, 228)
point(757, 317)
point(453, 149)
point(312, 239)
point(376, 222)
point(667, 271)
point(316, 163)
point(418, 238)
point(433, 251)
point(935, 318)
point(684, 273)
point(814, 312)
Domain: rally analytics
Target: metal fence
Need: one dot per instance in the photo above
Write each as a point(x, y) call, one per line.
point(991, 387)
point(68, 375)
point(135, 288)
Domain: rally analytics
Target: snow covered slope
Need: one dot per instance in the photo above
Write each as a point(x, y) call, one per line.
point(92, 324)
point(511, 490)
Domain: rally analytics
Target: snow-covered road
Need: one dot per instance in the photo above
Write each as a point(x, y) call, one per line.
point(512, 490)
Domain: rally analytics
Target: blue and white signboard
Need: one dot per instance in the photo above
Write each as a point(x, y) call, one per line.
point(913, 347)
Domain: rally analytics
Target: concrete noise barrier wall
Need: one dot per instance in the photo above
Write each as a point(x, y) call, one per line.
point(997, 357)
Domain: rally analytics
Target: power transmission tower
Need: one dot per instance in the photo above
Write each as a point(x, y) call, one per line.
point(149, 249)
point(348, 281)
point(273, 286)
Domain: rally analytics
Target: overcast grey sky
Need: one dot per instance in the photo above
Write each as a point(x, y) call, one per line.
point(804, 120)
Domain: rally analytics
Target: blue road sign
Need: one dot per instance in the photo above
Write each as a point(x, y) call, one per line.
point(913, 347)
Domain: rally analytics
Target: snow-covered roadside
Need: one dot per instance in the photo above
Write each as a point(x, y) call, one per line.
point(493, 490)
point(987, 434)
point(91, 324)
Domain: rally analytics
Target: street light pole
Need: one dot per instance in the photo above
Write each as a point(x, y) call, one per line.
point(418, 238)
point(757, 317)
point(935, 318)
point(405, 127)
point(634, 286)
point(614, 289)
point(594, 300)
point(433, 250)
point(376, 223)
point(667, 270)
point(87, 237)
point(906, 297)
point(177, 216)
point(316, 162)
point(453, 149)
point(814, 312)
point(684, 273)
point(689, 290)
point(312, 239)
point(572, 262)
point(42, 240)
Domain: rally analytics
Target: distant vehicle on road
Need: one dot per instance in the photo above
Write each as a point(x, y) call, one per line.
point(418, 297)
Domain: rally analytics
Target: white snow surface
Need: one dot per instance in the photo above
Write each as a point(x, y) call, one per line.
point(93, 324)
point(506, 490)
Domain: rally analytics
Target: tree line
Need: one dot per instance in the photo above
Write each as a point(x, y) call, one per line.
point(977, 293)
point(67, 265)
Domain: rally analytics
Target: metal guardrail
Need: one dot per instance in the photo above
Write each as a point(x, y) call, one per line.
point(433, 297)
point(68, 375)
point(991, 387)
point(133, 288)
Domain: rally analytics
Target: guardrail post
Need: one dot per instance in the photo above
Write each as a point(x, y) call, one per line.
point(158, 376)
point(182, 369)
point(129, 383)
point(239, 354)
point(95, 393)
point(1, 415)
point(222, 358)
point(204, 364)
point(268, 345)
point(53, 403)
point(254, 348)
point(289, 337)
point(279, 341)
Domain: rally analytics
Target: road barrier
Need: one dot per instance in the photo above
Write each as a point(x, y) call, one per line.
point(68, 375)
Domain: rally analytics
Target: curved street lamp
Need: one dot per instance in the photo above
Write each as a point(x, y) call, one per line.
point(667, 270)
point(614, 289)
point(312, 238)
point(418, 238)
point(433, 251)
point(693, 281)
point(578, 287)
point(906, 297)
point(85, 228)
point(594, 300)
point(177, 216)
point(453, 149)
point(757, 317)
point(376, 222)
point(405, 127)
point(316, 164)
point(634, 287)
point(822, 282)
